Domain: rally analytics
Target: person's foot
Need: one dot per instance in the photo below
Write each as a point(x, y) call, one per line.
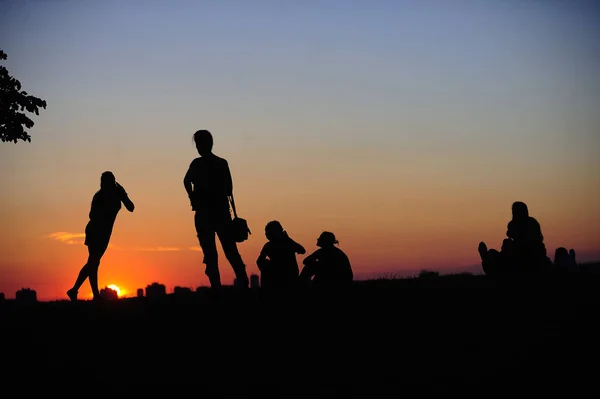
point(482, 249)
point(72, 294)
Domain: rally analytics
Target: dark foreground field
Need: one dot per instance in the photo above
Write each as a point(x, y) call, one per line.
point(381, 339)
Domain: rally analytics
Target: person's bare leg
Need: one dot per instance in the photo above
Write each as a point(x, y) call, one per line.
point(93, 276)
point(83, 275)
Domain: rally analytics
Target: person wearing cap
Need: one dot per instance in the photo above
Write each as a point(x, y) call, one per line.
point(328, 265)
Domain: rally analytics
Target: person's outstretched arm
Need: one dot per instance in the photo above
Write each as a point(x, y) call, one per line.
point(125, 198)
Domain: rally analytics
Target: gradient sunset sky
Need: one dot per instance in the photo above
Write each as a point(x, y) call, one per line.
point(407, 128)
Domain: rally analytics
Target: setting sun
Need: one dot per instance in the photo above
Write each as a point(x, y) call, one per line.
point(115, 288)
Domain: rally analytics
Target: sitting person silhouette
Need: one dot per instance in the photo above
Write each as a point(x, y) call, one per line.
point(277, 260)
point(564, 260)
point(526, 233)
point(561, 258)
point(496, 263)
point(572, 258)
point(106, 204)
point(328, 265)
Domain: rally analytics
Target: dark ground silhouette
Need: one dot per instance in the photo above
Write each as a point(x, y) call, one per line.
point(380, 338)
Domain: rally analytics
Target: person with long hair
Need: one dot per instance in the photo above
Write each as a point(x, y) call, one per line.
point(106, 204)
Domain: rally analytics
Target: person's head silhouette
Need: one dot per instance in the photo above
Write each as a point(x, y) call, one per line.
point(107, 180)
point(326, 240)
point(519, 210)
point(561, 255)
point(274, 230)
point(204, 142)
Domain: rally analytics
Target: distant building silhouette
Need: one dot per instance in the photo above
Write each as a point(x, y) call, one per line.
point(140, 293)
point(254, 281)
point(26, 295)
point(182, 290)
point(109, 293)
point(156, 290)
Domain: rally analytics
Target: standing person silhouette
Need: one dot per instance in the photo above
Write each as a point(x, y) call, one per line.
point(209, 186)
point(106, 204)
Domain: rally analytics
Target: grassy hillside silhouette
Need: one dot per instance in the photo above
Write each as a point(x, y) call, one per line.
point(452, 333)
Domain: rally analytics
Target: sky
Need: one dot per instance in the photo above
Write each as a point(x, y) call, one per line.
point(406, 128)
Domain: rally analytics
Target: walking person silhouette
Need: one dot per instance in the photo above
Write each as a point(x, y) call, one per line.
point(209, 186)
point(106, 204)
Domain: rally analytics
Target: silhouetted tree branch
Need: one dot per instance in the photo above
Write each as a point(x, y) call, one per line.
point(13, 101)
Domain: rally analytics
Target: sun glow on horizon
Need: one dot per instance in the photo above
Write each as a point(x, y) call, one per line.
point(115, 288)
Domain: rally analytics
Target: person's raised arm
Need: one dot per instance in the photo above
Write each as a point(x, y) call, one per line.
point(297, 247)
point(125, 198)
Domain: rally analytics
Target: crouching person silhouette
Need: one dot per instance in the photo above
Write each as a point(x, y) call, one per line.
point(328, 266)
point(106, 204)
point(209, 186)
point(277, 260)
point(497, 264)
